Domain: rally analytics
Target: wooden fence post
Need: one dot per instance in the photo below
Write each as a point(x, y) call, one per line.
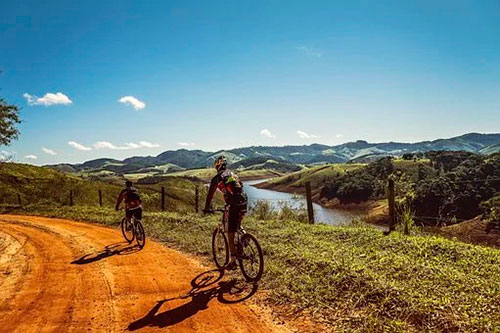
point(100, 198)
point(71, 197)
point(391, 201)
point(163, 198)
point(196, 199)
point(19, 200)
point(310, 211)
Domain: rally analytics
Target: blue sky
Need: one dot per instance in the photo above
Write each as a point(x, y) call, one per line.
point(223, 74)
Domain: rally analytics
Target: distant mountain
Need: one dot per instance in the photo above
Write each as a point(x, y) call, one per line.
point(283, 157)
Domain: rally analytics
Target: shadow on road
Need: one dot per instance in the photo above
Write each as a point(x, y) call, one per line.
point(121, 248)
point(205, 287)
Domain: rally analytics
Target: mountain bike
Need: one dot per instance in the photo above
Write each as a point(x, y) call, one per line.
point(133, 229)
point(248, 251)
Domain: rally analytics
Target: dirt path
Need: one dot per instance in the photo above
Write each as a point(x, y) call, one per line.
point(59, 275)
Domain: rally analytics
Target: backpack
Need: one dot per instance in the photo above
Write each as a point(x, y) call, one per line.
point(132, 195)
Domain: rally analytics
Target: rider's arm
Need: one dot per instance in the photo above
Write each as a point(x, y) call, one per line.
point(211, 192)
point(120, 199)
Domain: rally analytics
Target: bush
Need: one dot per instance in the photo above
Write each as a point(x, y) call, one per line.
point(262, 210)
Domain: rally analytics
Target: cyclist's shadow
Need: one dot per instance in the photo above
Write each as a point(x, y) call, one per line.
point(227, 292)
point(121, 248)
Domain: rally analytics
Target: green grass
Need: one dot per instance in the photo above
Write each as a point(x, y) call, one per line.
point(40, 185)
point(350, 278)
point(317, 175)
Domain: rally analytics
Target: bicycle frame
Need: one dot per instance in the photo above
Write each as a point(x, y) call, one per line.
point(224, 225)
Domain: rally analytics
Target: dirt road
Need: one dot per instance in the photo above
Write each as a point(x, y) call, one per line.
point(59, 275)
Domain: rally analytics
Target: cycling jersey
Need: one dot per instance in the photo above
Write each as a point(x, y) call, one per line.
point(234, 196)
point(230, 186)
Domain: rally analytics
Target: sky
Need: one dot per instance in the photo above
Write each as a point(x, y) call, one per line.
point(126, 78)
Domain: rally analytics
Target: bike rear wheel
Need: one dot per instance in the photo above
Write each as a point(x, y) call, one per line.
point(251, 259)
point(220, 249)
point(127, 230)
point(140, 235)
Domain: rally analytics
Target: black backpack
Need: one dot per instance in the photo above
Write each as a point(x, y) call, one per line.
point(132, 195)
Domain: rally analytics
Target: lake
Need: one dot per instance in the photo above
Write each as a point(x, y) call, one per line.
point(278, 199)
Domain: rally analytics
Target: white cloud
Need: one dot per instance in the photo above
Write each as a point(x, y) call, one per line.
point(49, 151)
point(149, 144)
point(304, 135)
point(134, 102)
point(105, 145)
point(310, 52)
point(267, 133)
point(31, 157)
point(186, 144)
point(130, 145)
point(78, 146)
point(339, 136)
point(48, 99)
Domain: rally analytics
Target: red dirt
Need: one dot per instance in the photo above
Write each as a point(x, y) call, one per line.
point(60, 275)
point(472, 231)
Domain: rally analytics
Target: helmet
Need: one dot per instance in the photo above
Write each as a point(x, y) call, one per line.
point(128, 183)
point(220, 163)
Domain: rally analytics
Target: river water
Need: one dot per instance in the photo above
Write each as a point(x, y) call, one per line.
point(278, 199)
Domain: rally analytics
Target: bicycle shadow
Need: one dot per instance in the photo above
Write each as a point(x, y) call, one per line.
point(227, 292)
point(121, 248)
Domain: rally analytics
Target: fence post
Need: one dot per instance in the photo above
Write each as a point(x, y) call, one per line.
point(71, 197)
point(19, 200)
point(310, 211)
point(163, 198)
point(391, 201)
point(100, 198)
point(196, 199)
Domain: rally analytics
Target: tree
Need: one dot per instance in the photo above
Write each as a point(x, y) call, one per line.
point(9, 118)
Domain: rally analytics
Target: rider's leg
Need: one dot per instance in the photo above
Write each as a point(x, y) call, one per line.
point(232, 246)
point(128, 216)
point(232, 228)
point(138, 213)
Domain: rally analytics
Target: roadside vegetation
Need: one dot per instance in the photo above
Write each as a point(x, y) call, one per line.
point(349, 278)
point(41, 185)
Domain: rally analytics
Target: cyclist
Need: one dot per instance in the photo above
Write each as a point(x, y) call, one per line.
point(133, 203)
point(234, 196)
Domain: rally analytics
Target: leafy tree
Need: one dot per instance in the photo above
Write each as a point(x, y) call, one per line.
point(9, 118)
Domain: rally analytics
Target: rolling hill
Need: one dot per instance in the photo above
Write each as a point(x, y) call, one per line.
point(45, 186)
point(283, 158)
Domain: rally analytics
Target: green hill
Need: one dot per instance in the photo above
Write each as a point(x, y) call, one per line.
point(44, 185)
point(359, 151)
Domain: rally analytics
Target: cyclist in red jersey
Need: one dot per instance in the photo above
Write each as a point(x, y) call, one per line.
point(234, 196)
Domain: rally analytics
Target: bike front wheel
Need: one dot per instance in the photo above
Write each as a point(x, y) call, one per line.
point(251, 259)
point(140, 235)
point(220, 248)
point(127, 230)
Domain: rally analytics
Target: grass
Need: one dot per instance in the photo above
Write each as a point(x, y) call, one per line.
point(40, 185)
point(317, 175)
point(350, 278)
